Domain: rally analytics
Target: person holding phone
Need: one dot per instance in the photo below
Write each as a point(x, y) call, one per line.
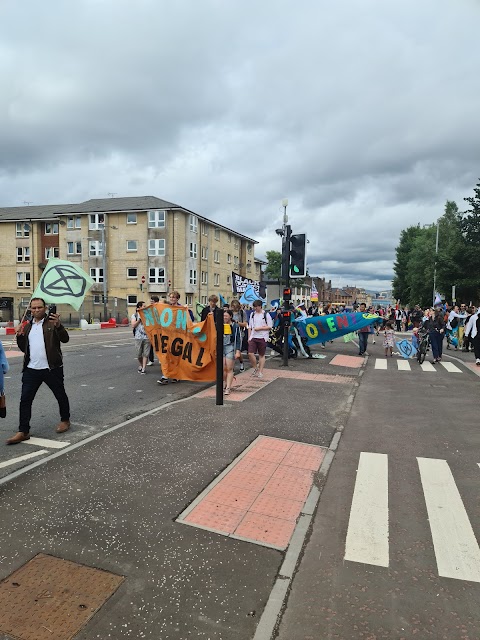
point(40, 340)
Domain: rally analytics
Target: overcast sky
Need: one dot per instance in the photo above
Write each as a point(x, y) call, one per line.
point(363, 113)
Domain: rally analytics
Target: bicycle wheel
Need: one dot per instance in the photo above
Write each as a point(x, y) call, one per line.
point(422, 352)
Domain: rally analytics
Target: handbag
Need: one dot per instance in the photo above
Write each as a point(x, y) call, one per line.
point(3, 406)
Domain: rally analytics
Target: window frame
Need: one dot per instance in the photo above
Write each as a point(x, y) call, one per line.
point(158, 252)
point(193, 277)
point(76, 244)
point(130, 301)
point(98, 248)
point(154, 221)
point(130, 276)
point(193, 250)
point(55, 250)
point(96, 221)
point(193, 221)
point(132, 250)
point(21, 231)
point(54, 230)
point(93, 275)
point(132, 221)
point(157, 278)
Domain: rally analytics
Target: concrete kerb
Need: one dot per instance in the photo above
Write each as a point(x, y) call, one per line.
point(272, 614)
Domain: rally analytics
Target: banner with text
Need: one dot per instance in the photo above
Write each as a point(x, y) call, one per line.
point(249, 289)
point(324, 328)
point(186, 349)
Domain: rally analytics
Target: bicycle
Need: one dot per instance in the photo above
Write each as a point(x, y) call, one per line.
point(423, 347)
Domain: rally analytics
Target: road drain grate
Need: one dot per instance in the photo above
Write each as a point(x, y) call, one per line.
point(52, 598)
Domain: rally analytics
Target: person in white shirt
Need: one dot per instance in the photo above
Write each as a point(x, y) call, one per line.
point(259, 325)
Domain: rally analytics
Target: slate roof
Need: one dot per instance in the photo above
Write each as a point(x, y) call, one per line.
point(103, 205)
point(47, 211)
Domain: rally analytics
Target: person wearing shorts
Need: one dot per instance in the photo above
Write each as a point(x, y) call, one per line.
point(142, 343)
point(232, 341)
point(259, 325)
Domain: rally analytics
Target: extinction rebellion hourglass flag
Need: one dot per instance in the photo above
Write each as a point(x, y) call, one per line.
point(63, 282)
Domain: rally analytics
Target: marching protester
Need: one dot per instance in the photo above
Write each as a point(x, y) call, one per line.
point(3, 370)
point(389, 339)
point(259, 326)
point(435, 325)
point(472, 330)
point(142, 343)
point(210, 308)
point(240, 317)
point(232, 342)
point(363, 334)
point(151, 355)
point(40, 340)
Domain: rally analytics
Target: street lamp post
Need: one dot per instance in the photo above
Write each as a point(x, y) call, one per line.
point(435, 266)
point(104, 268)
point(287, 230)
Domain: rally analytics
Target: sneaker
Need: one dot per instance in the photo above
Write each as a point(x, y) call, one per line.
point(139, 369)
point(227, 391)
point(365, 353)
point(142, 372)
point(373, 341)
point(173, 380)
point(477, 362)
point(255, 372)
point(259, 375)
point(163, 380)
point(149, 364)
point(242, 367)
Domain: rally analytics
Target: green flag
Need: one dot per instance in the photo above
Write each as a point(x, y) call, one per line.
point(63, 282)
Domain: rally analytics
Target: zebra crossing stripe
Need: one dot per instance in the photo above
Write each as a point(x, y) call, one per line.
point(367, 535)
point(403, 365)
point(27, 456)
point(456, 548)
point(427, 366)
point(450, 367)
point(380, 364)
point(44, 442)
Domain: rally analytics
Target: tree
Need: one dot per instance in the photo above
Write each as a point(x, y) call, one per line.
point(401, 288)
point(470, 226)
point(273, 270)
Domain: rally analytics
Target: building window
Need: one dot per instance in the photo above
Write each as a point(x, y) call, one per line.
point(249, 266)
point(95, 248)
point(23, 254)
point(22, 230)
point(217, 234)
point(96, 221)
point(204, 253)
point(132, 272)
point(193, 223)
point(23, 279)
point(74, 222)
point(156, 219)
point(96, 274)
point(229, 279)
point(193, 276)
point(97, 299)
point(249, 248)
point(257, 268)
point(52, 252)
point(204, 277)
point(229, 258)
point(189, 299)
point(51, 228)
point(204, 300)
point(156, 275)
point(235, 262)
point(132, 300)
point(156, 247)
point(132, 245)
point(74, 248)
point(216, 279)
point(229, 237)
point(131, 218)
point(216, 256)
point(204, 229)
point(193, 249)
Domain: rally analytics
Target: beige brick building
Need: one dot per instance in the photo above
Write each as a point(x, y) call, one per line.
point(151, 247)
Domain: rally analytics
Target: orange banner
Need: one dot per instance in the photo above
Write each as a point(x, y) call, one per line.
point(186, 349)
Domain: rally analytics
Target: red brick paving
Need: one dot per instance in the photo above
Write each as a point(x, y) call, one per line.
point(354, 362)
point(262, 493)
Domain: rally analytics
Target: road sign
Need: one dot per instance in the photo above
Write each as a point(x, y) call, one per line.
point(143, 279)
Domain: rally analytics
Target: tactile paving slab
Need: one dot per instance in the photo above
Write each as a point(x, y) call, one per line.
point(259, 497)
point(52, 598)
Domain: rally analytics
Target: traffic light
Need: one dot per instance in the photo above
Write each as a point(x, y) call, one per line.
point(287, 295)
point(298, 262)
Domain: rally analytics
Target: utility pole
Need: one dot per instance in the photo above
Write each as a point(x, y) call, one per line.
point(435, 267)
point(287, 232)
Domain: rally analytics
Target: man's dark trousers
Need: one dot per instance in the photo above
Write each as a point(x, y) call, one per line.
point(362, 341)
point(31, 382)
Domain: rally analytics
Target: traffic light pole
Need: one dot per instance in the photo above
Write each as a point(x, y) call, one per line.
point(286, 303)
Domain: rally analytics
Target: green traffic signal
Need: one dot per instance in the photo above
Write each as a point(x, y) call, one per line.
point(298, 261)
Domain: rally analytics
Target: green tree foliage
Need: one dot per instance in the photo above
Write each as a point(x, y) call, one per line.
point(273, 270)
point(401, 288)
point(470, 225)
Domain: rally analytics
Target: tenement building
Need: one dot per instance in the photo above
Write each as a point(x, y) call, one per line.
point(131, 247)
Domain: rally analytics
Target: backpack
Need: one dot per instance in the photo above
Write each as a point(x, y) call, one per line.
point(454, 323)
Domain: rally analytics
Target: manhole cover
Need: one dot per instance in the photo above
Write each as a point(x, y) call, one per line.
point(52, 598)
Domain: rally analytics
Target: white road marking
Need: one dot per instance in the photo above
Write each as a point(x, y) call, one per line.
point(380, 364)
point(428, 366)
point(84, 385)
point(367, 535)
point(111, 346)
point(456, 548)
point(49, 444)
point(450, 367)
point(110, 387)
point(27, 456)
point(403, 365)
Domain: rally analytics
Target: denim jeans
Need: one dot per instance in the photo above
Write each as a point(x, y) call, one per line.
point(362, 341)
point(31, 381)
point(436, 340)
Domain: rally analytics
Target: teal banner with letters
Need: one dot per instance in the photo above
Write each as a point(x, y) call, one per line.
point(324, 328)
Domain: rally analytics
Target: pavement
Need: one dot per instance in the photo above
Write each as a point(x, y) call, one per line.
point(123, 501)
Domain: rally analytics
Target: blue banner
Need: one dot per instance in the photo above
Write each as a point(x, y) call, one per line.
point(325, 328)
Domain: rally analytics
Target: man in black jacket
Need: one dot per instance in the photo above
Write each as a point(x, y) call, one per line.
point(40, 341)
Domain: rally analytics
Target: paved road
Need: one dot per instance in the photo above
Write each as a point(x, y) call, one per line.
point(103, 385)
point(394, 546)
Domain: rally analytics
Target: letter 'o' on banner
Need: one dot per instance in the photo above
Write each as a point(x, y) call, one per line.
point(201, 337)
point(311, 330)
